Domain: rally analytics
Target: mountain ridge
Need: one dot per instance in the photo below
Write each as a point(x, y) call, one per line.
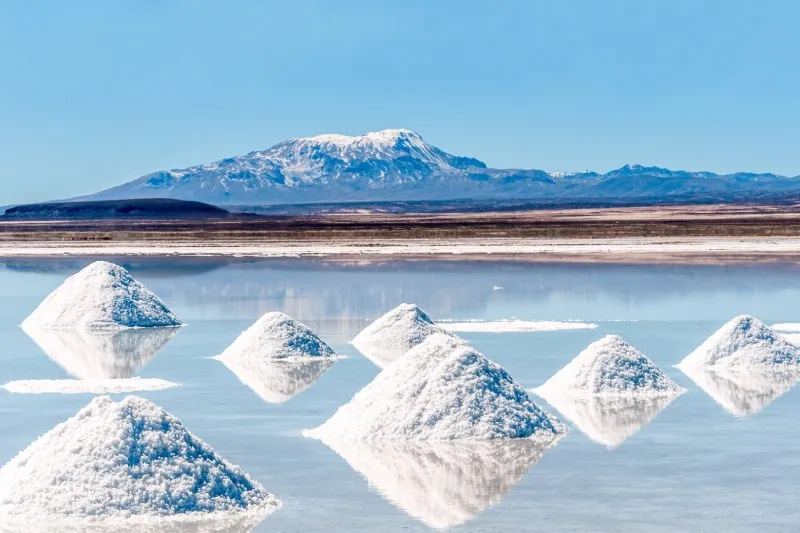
point(398, 165)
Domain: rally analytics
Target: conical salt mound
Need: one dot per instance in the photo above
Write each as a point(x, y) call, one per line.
point(128, 459)
point(609, 366)
point(395, 333)
point(101, 296)
point(440, 390)
point(277, 336)
point(744, 342)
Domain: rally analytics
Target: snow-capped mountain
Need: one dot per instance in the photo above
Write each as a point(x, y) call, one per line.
point(398, 164)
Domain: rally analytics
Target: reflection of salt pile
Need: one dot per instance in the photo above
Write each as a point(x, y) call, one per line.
point(101, 354)
point(440, 390)
point(610, 420)
point(86, 386)
point(442, 484)
point(610, 366)
point(744, 365)
point(744, 342)
point(396, 332)
point(124, 460)
point(277, 381)
point(229, 524)
point(278, 357)
point(101, 296)
point(741, 391)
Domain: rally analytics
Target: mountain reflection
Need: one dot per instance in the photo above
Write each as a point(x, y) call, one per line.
point(442, 484)
point(93, 355)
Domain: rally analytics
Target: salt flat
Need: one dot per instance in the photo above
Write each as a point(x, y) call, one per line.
point(633, 249)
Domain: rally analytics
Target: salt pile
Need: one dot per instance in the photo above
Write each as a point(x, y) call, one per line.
point(101, 296)
point(743, 391)
point(744, 343)
point(442, 484)
point(512, 325)
point(94, 355)
point(277, 336)
point(441, 389)
point(396, 332)
point(129, 461)
point(609, 366)
point(277, 381)
point(610, 420)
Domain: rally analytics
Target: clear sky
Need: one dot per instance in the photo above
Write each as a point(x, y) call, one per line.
point(95, 93)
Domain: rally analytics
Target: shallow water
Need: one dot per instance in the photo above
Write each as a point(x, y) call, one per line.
point(694, 466)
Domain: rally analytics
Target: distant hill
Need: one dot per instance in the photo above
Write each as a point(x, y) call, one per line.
point(399, 166)
point(149, 208)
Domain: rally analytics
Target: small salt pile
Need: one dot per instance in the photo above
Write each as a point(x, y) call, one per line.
point(395, 333)
point(744, 343)
point(277, 336)
point(609, 366)
point(126, 460)
point(441, 389)
point(278, 357)
point(101, 296)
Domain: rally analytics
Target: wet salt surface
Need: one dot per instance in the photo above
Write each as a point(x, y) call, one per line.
point(693, 466)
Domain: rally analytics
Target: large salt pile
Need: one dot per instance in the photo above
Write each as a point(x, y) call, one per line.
point(442, 484)
point(395, 333)
point(277, 336)
point(441, 389)
point(92, 355)
point(126, 460)
point(744, 343)
point(276, 380)
point(609, 366)
point(610, 420)
point(101, 296)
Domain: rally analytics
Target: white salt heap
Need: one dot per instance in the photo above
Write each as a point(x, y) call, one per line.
point(744, 343)
point(276, 380)
point(441, 389)
point(442, 484)
point(609, 366)
point(610, 419)
point(96, 355)
point(277, 336)
point(395, 333)
point(101, 296)
point(127, 460)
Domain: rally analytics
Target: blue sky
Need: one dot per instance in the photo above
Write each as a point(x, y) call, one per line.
point(95, 93)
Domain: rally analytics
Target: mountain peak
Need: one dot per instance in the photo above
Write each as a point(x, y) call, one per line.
point(388, 137)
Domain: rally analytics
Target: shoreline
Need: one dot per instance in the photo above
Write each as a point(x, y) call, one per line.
point(678, 250)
